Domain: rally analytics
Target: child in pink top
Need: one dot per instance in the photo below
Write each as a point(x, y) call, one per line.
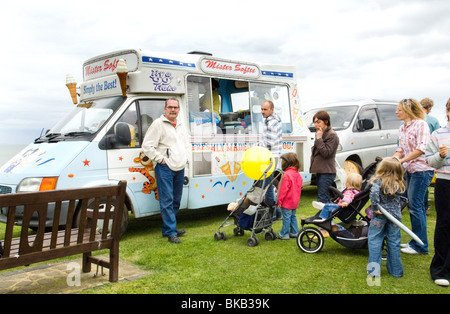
point(289, 191)
point(352, 187)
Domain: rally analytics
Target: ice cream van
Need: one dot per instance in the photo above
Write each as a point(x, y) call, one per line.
point(123, 92)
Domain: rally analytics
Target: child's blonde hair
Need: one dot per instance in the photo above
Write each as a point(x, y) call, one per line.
point(354, 180)
point(390, 172)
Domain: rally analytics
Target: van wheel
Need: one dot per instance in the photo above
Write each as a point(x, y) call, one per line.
point(125, 217)
point(351, 166)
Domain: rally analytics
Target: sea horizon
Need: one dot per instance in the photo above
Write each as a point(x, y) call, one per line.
point(8, 151)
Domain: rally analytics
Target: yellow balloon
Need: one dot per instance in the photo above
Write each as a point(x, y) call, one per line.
point(255, 161)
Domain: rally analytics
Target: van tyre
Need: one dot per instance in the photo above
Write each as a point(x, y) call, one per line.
point(125, 215)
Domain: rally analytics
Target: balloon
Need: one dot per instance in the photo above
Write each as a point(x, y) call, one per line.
point(255, 161)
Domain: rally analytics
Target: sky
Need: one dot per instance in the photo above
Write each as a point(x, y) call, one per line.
point(342, 49)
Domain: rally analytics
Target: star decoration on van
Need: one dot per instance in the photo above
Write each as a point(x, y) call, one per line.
point(86, 162)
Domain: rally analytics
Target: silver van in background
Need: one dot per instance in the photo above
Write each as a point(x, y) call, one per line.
point(366, 128)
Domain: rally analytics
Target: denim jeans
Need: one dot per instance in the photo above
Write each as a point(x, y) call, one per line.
point(290, 225)
point(418, 183)
point(380, 228)
point(324, 180)
point(328, 209)
point(170, 190)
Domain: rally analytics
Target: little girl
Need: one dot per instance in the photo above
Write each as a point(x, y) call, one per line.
point(289, 191)
point(387, 186)
point(352, 188)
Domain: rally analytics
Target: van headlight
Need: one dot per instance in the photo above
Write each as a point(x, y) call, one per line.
point(339, 148)
point(37, 184)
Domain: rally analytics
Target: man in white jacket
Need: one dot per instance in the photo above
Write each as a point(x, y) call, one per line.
point(166, 143)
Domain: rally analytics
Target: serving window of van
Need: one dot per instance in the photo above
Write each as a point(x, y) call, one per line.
point(232, 106)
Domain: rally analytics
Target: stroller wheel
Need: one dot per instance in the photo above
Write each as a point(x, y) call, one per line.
point(220, 236)
point(270, 236)
point(310, 240)
point(253, 241)
point(238, 231)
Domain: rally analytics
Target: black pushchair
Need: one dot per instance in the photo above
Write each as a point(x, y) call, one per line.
point(352, 231)
point(252, 213)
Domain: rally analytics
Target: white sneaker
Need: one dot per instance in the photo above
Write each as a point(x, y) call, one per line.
point(442, 282)
point(404, 245)
point(409, 250)
point(318, 205)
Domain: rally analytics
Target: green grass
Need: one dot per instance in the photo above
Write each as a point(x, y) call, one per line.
point(202, 265)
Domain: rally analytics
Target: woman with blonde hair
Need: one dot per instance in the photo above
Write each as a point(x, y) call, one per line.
point(414, 136)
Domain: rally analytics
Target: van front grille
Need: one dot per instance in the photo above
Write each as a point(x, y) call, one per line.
point(5, 189)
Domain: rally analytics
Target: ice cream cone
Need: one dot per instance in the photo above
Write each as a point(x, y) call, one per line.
point(72, 86)
point(227, 170)
point(123, 82)
point(122, 73)
point(237, 168)
point(73, 92)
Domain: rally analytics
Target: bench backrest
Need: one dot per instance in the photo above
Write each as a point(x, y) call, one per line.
point(84, 237)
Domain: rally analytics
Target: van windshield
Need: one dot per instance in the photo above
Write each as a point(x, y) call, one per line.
point(83, 121)
point(341, 117)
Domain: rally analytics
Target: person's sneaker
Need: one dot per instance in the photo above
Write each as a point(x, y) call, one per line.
point(404, 245)
point(180, 233)
point(286, 237)
point(442, 282)
point(174, 239)
point(409, 250)
point(318, 205)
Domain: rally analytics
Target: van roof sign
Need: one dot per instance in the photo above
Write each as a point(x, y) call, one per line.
point(107, 65)
point(215, 66)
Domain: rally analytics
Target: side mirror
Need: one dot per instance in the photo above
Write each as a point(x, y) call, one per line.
point(365, 124)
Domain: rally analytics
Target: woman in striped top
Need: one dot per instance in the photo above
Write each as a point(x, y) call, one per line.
point(414, 136)
point(437, 157)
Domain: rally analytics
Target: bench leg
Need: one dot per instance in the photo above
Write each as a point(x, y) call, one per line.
point(114, 262)
point(87, 262)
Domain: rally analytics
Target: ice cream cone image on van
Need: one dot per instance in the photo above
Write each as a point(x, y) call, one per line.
point(225, 167)
point(72, 86)
point(237, 168)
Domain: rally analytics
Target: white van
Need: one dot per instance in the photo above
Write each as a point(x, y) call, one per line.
point(366, 128)
point(99, 142)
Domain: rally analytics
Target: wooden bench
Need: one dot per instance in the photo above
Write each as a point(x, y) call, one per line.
point(47, 245)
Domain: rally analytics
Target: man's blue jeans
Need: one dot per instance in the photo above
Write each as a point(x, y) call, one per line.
point(324, 180)
point(170, 190)
point(418, 183)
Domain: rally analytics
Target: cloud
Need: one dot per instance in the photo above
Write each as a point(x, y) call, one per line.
point(342, 49)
